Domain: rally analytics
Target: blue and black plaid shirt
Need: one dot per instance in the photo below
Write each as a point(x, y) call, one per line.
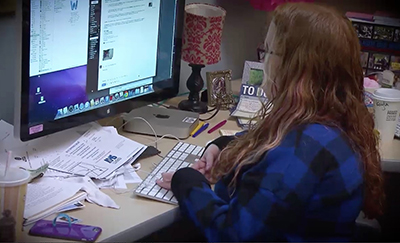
point(310, 188)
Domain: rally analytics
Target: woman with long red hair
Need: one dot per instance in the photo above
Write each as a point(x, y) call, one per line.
point(311, 163)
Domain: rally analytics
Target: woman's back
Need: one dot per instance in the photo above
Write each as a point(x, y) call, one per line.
point(308, 188)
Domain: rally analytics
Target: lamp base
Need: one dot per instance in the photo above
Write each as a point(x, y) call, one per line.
point(189, 105)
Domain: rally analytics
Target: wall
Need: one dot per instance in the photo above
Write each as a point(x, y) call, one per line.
point(7, 67)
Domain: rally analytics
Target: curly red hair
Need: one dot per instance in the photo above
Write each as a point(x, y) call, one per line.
point(320, 80)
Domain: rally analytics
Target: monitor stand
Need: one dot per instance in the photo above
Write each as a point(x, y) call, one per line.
point(164, 121)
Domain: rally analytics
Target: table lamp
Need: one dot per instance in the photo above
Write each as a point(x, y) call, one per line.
point(203, 24)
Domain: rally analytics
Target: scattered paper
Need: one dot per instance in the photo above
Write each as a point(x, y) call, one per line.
point(73, 206)
point(94, 195)
point(36, 153)
point(130, 175)
point(97, 154)
point(44, 194)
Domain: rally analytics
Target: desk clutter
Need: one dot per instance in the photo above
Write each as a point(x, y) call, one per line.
point(65, 169)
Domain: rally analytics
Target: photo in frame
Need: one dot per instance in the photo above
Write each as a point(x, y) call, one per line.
point(253, 73)
point(219, 89)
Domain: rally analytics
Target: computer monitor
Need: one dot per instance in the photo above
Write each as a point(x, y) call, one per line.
point(83, 60)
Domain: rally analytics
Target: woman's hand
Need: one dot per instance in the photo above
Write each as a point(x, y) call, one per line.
point(208, 160)
point(203, 166)
point(165, 181)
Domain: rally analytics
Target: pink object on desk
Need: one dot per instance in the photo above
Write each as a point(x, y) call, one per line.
point(218, 126)
point(370, 83)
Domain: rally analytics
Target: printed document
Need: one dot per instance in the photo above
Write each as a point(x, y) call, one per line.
point(97, 154)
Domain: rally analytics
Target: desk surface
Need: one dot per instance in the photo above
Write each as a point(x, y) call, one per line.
point(138, 217)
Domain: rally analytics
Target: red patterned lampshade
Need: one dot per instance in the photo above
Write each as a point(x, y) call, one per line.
point(202, 33)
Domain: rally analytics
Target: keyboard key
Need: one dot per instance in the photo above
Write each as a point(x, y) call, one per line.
point(153, 192)
point(169, 195)
point(146, 190)
point(183, 147)
point(201, 152)
point(196, 150)
point(174, 200)
point(176, 155)
point(190, 149)
point(183, 156)
point(161, 193)
point(178, 145)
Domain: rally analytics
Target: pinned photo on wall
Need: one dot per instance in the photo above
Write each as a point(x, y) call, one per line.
point(383, 33)
point(365, 31)
point(253, 73)
point(364, 59)
point(378, 61)
point(395, 63)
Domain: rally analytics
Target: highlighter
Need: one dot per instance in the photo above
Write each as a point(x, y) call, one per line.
point(197, 128)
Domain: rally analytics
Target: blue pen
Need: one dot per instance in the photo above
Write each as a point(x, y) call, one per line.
point(204, 127)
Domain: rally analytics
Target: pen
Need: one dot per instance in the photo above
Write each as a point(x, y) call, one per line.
point(219, 125)
point(197, 128)
point(204, 127)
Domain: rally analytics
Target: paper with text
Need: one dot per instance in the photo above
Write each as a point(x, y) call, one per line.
point(97, 154)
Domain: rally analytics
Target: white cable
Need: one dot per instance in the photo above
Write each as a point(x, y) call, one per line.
point(152, 129)
point(141, 118)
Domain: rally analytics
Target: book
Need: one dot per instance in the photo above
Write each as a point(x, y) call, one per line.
point(225, 132)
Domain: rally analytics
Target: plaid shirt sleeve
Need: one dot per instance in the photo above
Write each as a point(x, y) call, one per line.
point(270, 200)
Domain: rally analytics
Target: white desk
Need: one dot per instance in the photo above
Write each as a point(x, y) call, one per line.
point(139, 217)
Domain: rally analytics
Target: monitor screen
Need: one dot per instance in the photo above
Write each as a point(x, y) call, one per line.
point(88, 54)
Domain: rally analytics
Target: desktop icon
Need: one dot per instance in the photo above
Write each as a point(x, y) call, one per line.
point(81, 106)
point(137, 91)
point(87, 104)
point(121, 94)
point(151, 87)
point(141, 90)
point(42, 100)
point(125, 94)
point(96, 101)
point(65, 110)
point(71, 108)
point(92, 102)
point(59, 112)
point(107, 98)
point(102, 100)
point(116, 96)
point(130, 93)
point(76, 107)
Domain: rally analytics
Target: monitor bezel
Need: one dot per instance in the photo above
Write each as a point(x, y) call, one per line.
point(55, 126)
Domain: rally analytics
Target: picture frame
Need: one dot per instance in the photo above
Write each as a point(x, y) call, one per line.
point(219, 89)
point(253, 73)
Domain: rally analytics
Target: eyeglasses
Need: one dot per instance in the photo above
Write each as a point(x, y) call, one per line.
point(269, 52)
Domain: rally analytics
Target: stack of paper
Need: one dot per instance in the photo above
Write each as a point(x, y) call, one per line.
point(49, 196)
point(74, 158)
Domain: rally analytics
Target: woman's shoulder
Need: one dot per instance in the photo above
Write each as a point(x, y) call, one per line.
point(314, 133)
point(317, 141)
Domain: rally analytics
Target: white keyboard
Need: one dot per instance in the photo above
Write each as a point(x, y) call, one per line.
point(182, 155)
